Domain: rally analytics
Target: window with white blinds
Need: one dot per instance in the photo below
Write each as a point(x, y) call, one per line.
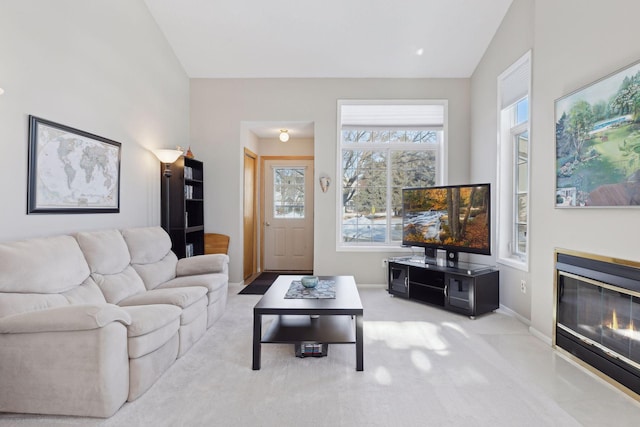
point(384, 146)
point(514, 144)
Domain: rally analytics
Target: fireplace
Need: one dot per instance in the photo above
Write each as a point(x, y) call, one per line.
point(598, 314)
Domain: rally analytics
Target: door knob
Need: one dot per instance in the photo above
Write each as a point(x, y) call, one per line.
point(267, 223)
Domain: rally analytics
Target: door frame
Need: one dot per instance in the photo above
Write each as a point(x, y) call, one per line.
point(262, 192)
point(254, 249)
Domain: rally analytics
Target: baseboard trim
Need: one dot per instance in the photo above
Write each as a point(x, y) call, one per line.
point(542, 337)
point(515, 314)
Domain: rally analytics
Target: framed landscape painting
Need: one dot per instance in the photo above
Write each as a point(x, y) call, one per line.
point(71, 171)
point(598, 143)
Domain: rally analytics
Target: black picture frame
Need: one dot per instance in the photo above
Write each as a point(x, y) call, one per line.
point(71, 171)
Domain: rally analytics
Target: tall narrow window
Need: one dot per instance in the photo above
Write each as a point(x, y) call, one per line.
point(383, 147)
point(514, 164)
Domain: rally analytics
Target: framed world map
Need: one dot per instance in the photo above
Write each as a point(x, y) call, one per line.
point(71, 171)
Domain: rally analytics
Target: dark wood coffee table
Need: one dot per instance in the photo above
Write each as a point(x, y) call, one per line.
point(340, 320)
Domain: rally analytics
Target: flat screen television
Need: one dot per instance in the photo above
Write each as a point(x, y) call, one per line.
point(456, 218)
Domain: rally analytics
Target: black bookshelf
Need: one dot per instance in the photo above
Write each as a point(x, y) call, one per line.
point(186, 206)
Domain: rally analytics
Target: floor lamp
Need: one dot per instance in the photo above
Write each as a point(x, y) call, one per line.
point(167, 157)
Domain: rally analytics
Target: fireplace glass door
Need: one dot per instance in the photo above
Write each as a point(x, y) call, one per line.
point(600, 314)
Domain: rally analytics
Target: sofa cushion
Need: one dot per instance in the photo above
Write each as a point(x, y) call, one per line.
point(181, 297)
point(158, 272)
point(47, 265)
point(87, 293)
point(117, 287)
point(147, 245)
point(152, 326)
point(105, 251)
point(151, 255)
point(148, 318)
point(189, 314)
point(147, 343)
point(108, 258)
point(214, 283)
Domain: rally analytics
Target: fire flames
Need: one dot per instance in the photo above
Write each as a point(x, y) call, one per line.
point(628, 331)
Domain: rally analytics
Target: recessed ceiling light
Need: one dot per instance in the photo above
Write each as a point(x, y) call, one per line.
point(419, 52)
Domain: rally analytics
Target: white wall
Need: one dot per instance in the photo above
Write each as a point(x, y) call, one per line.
point(220, 106)
point(511, 41)
point(293, 147)
point(101, 66)
point(575, 42)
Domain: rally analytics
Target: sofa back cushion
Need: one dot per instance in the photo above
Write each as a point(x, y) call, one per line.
point(109, 260)
point(151, 255)
point(44, 266)
point(16, 303)
point(44, 273)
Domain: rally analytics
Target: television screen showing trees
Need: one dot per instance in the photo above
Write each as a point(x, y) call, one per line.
point(454, 217)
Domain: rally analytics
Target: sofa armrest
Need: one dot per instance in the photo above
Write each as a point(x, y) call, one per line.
point(202, 264)
point(79, 317)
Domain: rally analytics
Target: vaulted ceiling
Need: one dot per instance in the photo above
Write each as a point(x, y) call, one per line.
point(328, 38)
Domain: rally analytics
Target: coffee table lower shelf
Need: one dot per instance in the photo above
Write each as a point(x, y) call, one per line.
point(293, 329)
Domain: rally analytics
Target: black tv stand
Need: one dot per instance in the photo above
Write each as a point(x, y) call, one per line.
point(467, 288)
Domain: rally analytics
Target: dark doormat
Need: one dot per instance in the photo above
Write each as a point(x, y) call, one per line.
point(261, 283)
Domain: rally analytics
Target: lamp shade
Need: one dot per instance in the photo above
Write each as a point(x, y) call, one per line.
point(284, 135)
point(167, 155)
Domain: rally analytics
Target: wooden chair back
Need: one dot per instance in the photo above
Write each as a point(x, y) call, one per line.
point(215, 243)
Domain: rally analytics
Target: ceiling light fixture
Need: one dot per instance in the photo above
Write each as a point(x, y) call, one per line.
point(284, 135)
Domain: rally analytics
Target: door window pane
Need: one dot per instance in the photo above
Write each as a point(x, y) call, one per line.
point(288, 192)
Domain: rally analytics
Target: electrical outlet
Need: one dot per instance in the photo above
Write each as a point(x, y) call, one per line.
point(384, 262)
point(523, 286)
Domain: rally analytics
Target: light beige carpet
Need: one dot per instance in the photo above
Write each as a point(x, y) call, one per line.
point(423, 367)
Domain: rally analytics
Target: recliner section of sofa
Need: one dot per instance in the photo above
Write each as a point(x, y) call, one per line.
point(81, 331)
point(109, 259)
point(63, 349)
point(152, 344)
point(159, 268)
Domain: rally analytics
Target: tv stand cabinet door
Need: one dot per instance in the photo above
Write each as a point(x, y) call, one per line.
point(473, 295)
point(398, 279)
point(460, 293)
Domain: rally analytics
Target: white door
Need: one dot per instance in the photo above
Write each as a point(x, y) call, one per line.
point(288, 215)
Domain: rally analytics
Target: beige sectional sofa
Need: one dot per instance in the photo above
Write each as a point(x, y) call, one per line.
point(90, 321)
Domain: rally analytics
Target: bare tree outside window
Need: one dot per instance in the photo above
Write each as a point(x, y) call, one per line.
point(372, 180)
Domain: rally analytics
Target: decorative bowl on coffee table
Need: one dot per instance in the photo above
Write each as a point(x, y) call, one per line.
point(309, 281)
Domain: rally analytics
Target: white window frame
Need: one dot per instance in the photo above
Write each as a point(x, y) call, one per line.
point(441, 167)
point(514, 85)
